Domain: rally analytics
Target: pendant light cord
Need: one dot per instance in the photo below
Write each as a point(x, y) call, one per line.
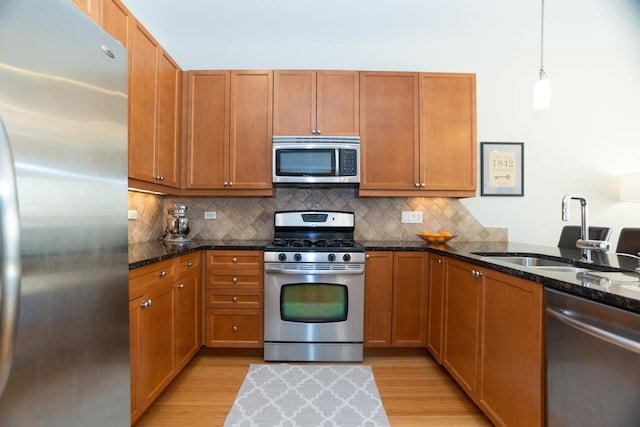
point(542, 42)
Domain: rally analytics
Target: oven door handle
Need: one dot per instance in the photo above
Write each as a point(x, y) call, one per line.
point(565, 317)
point(279, 270)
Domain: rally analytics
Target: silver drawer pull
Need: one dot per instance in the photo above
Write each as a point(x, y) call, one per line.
point(234, 299)
point(181, 285)
point(234, 260)
point(146, 304)
point(234, 280)
point(163, 273)
point(439, 261)
point(189, 264)
point(235, 329)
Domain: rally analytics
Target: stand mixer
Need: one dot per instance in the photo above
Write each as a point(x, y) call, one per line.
point(177, 224)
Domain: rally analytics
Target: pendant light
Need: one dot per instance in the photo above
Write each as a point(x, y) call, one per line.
point(542, 88)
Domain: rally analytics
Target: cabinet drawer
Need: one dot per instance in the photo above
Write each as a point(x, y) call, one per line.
point(232, 298)
point(144, 279)
point(241, 280)
point(234, 260)
point(188, 264)
point(234, 328)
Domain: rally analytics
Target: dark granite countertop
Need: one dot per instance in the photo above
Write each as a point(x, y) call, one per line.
point(617, 294)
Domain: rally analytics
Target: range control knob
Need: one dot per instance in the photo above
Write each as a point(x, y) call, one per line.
point(346, 257)
point(332, 257)
point(297, 257)
point(282, 257)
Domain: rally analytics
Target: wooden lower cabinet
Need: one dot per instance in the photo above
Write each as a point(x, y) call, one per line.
point(164, 325)
point(435, 305)
point(461, 317)
point(234, 299)
point(510, 365)
point(492, 325)
point(395, 299)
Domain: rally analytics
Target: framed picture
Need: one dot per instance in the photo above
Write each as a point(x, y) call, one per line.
point(502, 166)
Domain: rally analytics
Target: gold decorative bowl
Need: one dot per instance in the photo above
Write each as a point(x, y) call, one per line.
point(436, 239)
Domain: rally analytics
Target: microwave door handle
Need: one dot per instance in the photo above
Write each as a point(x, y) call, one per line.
point(10, 258)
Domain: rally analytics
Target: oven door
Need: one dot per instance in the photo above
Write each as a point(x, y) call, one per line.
point(310, 308)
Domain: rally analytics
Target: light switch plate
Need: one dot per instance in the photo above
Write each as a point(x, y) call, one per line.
point(132, 214)
point(411, 217)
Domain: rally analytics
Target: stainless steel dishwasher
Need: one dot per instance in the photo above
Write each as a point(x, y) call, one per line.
point(593, 363)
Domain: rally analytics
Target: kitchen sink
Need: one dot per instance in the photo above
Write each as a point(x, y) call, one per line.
point(526, 260)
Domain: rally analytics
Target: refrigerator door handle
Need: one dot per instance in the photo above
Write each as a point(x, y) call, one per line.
point(9, 257)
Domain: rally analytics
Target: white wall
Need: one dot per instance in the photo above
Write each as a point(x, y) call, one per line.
point(581, 145)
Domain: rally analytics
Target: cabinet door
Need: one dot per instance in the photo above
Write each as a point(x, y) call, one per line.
point(378, 299)
point(389, 125)
point(188, 315)
point(90, 7)
point(168, 101)
point(294, 102)
point(511, 369)
point(448, 131)
point(461, 317)
point(435, 305)
point(338, 103)
point(114, 19)
point(207, 129)
point(157, 342)
point(135, 313)
point(409, 299)
point(251, 132)
point(142, 103)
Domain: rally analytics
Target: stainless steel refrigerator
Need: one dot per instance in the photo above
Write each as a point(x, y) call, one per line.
point(64, 331)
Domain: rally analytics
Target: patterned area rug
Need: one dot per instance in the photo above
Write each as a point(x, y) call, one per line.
point(307, 395)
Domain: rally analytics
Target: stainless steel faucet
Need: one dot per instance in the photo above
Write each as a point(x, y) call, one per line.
point(584, 243)
point(584, 230)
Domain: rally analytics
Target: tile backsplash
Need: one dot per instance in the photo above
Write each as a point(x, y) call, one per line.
point(377, 218)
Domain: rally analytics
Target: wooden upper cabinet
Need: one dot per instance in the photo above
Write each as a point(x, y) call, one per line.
point(316, 103)
point(155, 100)
point(90, 7)
point(168, 128)
point(207, 128)
point(251, 130)
point(448, 131)
point(389, 129)
point(229, 131)
point(143, 72)
point(114, 19)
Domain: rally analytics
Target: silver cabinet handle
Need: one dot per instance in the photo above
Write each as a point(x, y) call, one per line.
point(159, 178)
point(234, 299)
point(180, 286)
point(367, 256)
point(235, 329)
point(163, 274)
point(422, 185)
point(418, 184)
point(226, 183)
point(234, 260)
point(230, 184)
point(189, 264)
point(476, 273)
point(440, 261)
point(146, 304)
point(234, 280)
point(10, 258)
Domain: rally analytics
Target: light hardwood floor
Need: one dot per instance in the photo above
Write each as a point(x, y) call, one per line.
point(415, 390)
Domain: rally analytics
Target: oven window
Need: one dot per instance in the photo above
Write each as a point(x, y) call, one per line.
point(314, 302)
point(306, 162)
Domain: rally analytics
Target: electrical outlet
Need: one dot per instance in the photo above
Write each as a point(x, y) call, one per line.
point(132, 214)
point(411, 217)
point(210, 215)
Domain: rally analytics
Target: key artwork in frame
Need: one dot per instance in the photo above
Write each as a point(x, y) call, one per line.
point(502, 169)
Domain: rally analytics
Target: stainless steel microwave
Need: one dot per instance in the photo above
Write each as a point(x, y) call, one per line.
point(311, 160)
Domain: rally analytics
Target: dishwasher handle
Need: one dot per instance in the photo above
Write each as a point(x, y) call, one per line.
point(610, 337)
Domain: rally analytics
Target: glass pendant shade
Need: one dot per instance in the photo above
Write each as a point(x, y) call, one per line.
point(542, 93)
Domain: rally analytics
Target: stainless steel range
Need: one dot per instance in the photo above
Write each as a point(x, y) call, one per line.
point(313, 288)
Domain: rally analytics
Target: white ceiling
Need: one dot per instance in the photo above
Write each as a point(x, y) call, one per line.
point(195, 31)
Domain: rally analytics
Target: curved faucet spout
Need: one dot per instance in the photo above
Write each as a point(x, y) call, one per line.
point(584, 234)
